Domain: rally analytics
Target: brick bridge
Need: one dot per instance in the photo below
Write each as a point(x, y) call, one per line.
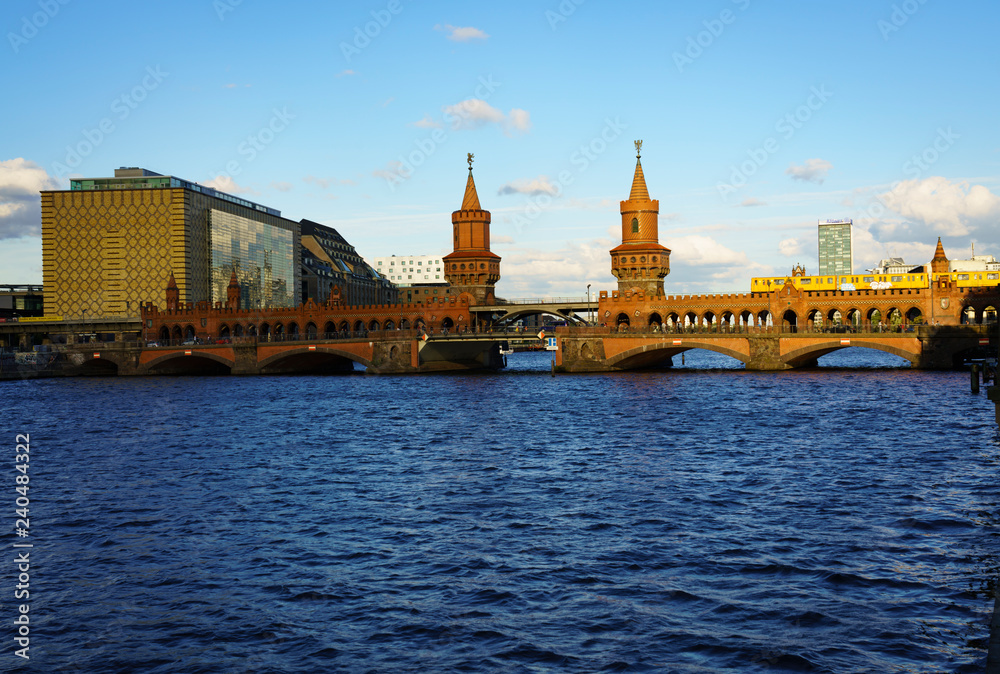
point(604, 349)
point(398, 351)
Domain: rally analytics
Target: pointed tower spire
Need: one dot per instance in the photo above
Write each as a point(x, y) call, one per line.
point(639, 191)
point(939, 263)
point(173, 294)
point(471, 267)
point(470, 202)
point(640, 262)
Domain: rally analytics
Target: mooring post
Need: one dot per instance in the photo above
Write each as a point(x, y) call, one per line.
point(974, 379)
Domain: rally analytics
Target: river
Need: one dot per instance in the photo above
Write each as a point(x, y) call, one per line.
point(700, 519)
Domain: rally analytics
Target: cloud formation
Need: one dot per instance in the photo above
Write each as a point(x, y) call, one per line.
point(790, 247)
point(813, 171)
point(943, 207)
point(225, 183)
point(750, 201)
point(462, 34)
point(474, 113)
point(532, 186)
point(427, 123)
point(20, 204)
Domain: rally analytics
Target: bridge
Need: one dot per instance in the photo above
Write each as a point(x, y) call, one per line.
point(383, 352)
point(566, 308)
point(602, 349)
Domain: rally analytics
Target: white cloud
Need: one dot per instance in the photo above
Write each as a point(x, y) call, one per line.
point(20, 204)
point(225, 183)
point(501, 238)
point(529, 272)
point(346, 73)
point(944, 207)
point(790, 247)
point(813, 171)
point(462, 34)
point(696, 251)
point(473, 113)
point(427, 123)
point(533, 186)
point(751, 201)
point(281, 186)
point(392, 172)
point(322, 183)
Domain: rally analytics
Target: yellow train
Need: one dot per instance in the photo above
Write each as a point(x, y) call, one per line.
point(870, 281)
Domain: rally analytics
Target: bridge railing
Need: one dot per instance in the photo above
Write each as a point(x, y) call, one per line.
point(546, 300)
point(722, 329)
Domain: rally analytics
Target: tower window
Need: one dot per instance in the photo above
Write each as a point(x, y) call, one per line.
point(635, 225)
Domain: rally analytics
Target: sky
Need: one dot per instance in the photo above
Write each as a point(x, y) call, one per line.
point(758, 119)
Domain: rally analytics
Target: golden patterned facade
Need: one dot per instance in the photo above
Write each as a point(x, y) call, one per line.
point(640, 262)
point(107, 251)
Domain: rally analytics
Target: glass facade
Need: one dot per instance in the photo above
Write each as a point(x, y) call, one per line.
point(835, 253)
point(262, 255)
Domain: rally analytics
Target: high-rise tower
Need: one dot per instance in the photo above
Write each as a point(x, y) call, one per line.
point(640, 262)
point(471, 267)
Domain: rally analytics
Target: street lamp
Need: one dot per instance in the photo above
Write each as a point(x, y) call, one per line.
point(590, 316)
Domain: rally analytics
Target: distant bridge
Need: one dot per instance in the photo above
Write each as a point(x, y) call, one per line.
point(604, 349)
point(566, 308)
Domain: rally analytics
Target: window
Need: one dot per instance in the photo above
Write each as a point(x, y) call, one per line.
point(992, 277)
point(896, 279)
point(963, 277)
point(868, 279)
point(829, 280)
point(805, 281)
point(635, 225)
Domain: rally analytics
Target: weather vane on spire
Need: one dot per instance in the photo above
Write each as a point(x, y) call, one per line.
point(471, 157)
point(638, 148)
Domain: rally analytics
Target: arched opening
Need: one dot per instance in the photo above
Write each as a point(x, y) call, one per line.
point(278, 332)
point(447, 323)
point(176, 333)
point(344, 328)
point(789, 321)
point(374, 325)
point(968, 316)
point(189, 333)
point(814, 321)
point(310, 330)
point(690, 320)
point(224, 332)
point(252, 330)
point(728, 319)
point(835, 317)
point(329, 330)
point(97, 367)
point(622, 321)
point(389, 325)
point(708, 320)
point(359, 327)
point(404, 324)
point(164, 334)
point(895, 319)
point(746, 319)
point(990, 314)
point(655, 321)
point(265, 332)
point(293, 330)
point(874, 320)
point(237, 330)
point(914, 316)
point(854, 318)
point(420, 325)
point(764, 319)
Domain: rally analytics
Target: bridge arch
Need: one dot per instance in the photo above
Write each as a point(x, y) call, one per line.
point(651, 354)
point(97, 367)
point(201, 362)
point(805, 354)
point(321, 360)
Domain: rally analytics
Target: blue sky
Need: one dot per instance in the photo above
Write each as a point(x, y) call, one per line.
point(758, 119)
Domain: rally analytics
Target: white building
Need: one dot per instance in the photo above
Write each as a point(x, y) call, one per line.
point(410, 270)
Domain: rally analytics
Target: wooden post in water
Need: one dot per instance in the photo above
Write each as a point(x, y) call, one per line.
point(974, 379)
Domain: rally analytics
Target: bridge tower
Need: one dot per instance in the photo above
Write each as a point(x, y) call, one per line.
point(471, 267)
point(640, 262)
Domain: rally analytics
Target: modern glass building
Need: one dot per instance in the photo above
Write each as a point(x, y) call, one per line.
point(111, 244)
point(836, 255)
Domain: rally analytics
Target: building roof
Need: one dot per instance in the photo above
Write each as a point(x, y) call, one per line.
point(639, 191)
point(470, 202)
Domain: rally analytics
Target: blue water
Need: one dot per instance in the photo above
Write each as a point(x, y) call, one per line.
point(698, 519)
